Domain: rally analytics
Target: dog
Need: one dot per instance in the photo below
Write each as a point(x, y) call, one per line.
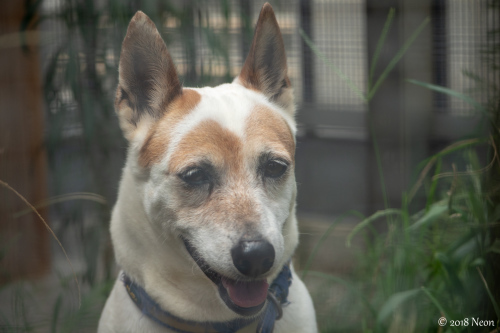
point(204, 227)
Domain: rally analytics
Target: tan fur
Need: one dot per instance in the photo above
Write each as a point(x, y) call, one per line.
point(225, 147)
point(159, 135)
point(266, 127)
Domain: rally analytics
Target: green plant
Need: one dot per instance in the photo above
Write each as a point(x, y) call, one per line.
point(428, 263)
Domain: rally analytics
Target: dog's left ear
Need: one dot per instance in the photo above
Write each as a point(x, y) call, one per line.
point(265, 68)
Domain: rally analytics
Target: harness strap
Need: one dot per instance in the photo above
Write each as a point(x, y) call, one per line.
point(277, 297)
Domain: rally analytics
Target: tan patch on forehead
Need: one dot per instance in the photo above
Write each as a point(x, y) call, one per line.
point(209, 139)
point(230, 203)
point(267, 128)
point(156, 143)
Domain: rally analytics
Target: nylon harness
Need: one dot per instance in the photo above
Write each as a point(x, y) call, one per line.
point(276, 296)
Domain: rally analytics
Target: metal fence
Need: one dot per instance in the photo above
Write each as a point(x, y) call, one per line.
point(208, 41)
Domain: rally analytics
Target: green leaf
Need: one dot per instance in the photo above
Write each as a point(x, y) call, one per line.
point(380, 43)
point(449, 92)
point(367, 221)
point(435, 212)
point(459, 145)
point(495, 248)
point(432, 191)
point(394, 302)
point(396, 58)
point(439, 306)
point(451, 267)
point(87, 315)
point(490, 295)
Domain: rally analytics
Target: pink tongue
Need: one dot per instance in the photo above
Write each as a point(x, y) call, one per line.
point(246, 294)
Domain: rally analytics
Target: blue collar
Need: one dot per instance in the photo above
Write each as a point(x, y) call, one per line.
point(276, 297)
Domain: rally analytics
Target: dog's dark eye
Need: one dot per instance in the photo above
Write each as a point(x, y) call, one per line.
point(275, 169)
point(195, 177)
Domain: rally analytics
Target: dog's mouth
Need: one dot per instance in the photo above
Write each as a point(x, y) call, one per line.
point(246, 298)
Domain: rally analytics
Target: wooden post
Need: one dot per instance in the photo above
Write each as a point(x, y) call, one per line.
point(399, 112)
point(24, 241)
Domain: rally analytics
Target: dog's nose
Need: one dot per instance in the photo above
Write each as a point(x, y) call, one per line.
point(253, 257)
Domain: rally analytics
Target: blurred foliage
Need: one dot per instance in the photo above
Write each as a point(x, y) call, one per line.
point(423, 265)
point(442, 260)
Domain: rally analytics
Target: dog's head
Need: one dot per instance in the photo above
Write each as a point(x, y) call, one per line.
point(212, 167)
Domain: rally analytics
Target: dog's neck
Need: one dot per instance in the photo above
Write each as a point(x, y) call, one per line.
point(277, 296)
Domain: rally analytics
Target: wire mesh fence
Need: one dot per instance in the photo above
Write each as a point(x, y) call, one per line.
point(80, 43)
point(209, 40)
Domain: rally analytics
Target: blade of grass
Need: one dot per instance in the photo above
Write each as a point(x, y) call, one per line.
point(490, 295)
point(65, 197)
point(495, 248)
point(465, 173)
point(427, 163)
point(438, 305)
point(5, 325)
point(378, 159)
point(455, 147)
point(367, 221)
point(337, 71)
point(323, 238)
point(380, 44)
point(451, 268)
point(396, 58)
point(449, 92)
point(432, 190)
point(394, 302)
point(435, 211)
point(4, 184)
point(55, 314)
point(87, 316)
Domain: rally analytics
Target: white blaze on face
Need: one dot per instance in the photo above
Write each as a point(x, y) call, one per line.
point(229, 105)
point(233, 130)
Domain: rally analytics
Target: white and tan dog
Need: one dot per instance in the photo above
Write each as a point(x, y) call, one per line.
point(204, 227)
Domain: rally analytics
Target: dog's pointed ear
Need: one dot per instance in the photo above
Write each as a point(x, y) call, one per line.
point(147, 81)
point(265, 68)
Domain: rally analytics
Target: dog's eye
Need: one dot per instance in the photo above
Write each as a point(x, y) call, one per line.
point(275, 169)
point(195, 177)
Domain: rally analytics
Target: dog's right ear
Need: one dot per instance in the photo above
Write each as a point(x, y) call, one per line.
point(265, 67)
point(147, 81)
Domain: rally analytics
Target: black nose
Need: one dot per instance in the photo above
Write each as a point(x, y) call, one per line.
point(253, 257)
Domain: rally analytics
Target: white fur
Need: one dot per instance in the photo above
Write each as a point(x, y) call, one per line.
point(147, 246)
point(149, 217)
point(229, 105)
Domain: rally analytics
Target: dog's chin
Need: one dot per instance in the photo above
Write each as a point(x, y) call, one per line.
point(244, 298)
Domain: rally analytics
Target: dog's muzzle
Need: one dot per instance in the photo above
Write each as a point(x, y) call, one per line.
point(252, 258)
